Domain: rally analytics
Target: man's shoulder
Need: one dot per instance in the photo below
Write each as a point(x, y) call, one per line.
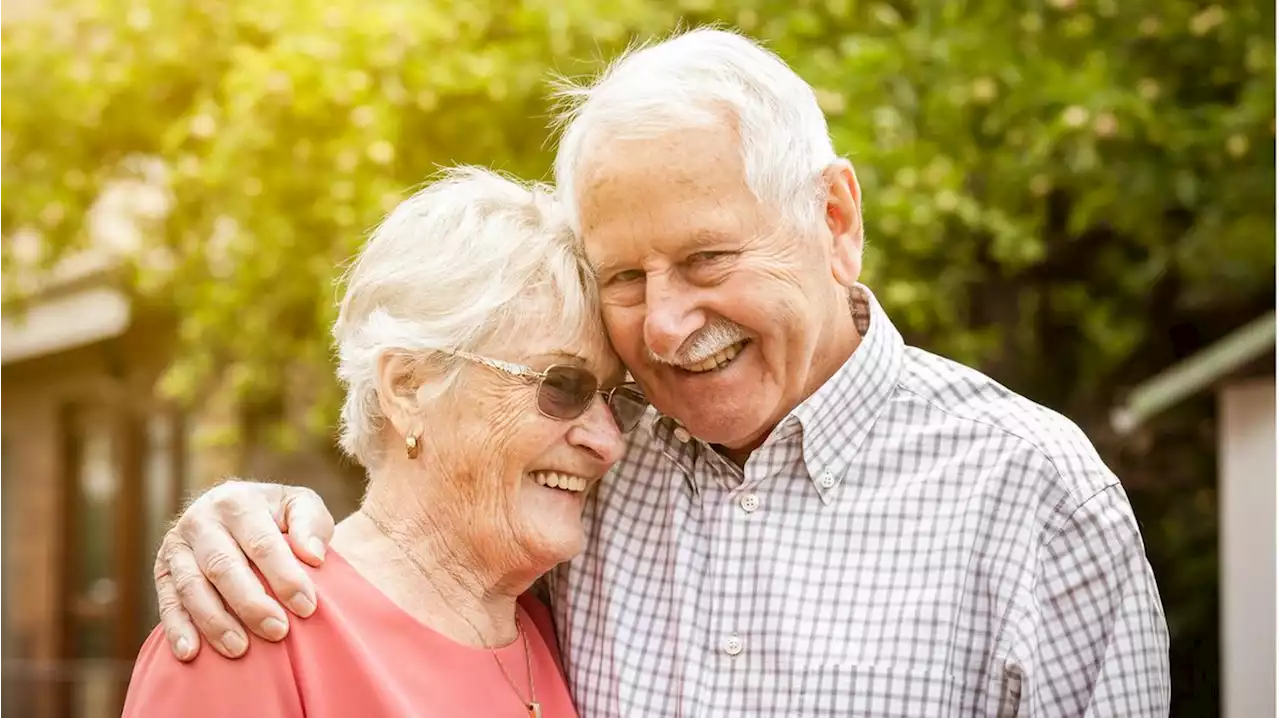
point(1053, 447)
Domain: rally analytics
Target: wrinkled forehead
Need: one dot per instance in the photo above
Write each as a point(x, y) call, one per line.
point(664, 195)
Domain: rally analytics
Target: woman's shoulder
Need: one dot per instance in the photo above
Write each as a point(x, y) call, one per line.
point(261, 682)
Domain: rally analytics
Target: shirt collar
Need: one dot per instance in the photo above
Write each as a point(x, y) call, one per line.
point(835, 419)
point(678, 445)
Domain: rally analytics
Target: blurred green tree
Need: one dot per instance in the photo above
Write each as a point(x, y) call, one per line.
point(1069, 194)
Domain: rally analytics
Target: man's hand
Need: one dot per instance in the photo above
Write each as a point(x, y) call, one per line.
point(205, 558)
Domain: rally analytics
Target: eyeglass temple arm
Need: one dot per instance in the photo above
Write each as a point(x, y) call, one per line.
point(502, 366)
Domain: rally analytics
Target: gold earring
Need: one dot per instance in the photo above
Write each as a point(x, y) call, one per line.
point(411, 446)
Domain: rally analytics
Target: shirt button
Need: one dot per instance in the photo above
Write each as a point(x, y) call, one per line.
point(750, 503)
point(827, 480)
point(681, 434)
point(733, 645)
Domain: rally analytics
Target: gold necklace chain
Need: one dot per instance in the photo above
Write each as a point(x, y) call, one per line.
point(532, 705)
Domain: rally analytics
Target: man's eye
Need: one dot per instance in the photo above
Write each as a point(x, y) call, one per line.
point(707, 256)
point(626, 275)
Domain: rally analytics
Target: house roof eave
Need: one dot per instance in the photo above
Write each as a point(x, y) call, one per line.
point(1195, 373)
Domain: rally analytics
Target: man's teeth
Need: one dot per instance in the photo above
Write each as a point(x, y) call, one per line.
point(717, 360)
point(557, 480)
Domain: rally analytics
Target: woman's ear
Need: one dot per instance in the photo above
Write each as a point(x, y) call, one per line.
point(399, 378)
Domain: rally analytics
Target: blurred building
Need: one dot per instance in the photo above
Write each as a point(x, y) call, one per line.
point(1241, 371)
point(95, 464)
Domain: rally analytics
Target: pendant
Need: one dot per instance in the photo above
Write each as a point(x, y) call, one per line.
point(535, 710)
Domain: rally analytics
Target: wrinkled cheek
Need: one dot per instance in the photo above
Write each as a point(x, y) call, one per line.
point(636, 361)
point(492, 494)
point(776, 364)
point(516, 526)
point(650, 381)
point(625, 328)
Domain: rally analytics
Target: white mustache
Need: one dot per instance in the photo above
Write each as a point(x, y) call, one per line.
point(704, 344)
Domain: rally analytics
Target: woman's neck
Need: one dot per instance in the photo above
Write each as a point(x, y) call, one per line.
point(418, 564)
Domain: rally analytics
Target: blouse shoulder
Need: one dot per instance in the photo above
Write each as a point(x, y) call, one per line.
point(260, 683)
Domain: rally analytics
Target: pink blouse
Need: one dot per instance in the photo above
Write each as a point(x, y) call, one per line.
point(358, 655)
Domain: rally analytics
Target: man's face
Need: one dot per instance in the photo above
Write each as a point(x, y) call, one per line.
point(725, 314)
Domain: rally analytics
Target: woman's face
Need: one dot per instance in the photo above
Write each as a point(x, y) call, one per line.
point(519, 478)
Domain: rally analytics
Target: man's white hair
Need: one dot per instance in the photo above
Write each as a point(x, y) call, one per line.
point(697, 79)
point(468, 262)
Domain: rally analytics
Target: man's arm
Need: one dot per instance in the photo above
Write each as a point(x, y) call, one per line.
point(1101, 640)
point(205, 558)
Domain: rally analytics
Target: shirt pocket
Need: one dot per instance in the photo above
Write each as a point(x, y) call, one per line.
point(846, 689)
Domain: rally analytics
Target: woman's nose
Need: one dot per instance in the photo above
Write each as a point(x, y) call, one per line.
point(597, 433)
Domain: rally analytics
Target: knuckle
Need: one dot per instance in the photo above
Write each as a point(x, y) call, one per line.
point(170, 607)
point(160, 568)
point(220, 565)
point(188, 587)
point(199, 515)
point(164, 557)
point(228, 504)
point(260, 545)
point(303, 497)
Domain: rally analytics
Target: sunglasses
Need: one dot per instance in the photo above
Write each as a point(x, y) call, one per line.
point(565, 391)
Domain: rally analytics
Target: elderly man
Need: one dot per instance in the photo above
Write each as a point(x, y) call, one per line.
point(818, 520)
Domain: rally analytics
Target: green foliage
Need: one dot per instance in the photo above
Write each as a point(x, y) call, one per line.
point(1026, 171)
point(1022, 168)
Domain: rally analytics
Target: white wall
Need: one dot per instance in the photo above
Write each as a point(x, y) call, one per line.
point(1247, 526)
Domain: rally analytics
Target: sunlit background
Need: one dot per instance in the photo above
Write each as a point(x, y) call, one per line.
point(1076, 196)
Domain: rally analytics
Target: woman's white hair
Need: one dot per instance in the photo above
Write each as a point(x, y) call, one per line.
point(465, 263)
point(693, 80)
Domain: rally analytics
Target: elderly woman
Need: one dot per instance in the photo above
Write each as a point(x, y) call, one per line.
point(468, 311)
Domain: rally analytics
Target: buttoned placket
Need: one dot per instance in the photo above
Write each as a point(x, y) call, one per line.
point(731, 502)
point(724, 640)
point(740, 505)
point(729, 633)
point(688, 455)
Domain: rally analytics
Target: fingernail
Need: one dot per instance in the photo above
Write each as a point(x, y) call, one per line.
point(316, 546)
point(302, 604)
point(274, 628)
point(183, 647)
point(234, 643)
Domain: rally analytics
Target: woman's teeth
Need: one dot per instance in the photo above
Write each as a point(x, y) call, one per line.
point(717, 360)
point(557, 480)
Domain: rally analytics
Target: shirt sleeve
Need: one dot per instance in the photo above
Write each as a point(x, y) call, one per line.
point(1101, 640)
point(261, 683)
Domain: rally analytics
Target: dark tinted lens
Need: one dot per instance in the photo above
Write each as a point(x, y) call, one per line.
point(627, 405)
point(566, 392)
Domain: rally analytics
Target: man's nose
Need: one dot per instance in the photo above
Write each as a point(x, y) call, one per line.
point(671, 316)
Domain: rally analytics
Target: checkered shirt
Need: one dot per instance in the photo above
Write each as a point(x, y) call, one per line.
point(912, 540)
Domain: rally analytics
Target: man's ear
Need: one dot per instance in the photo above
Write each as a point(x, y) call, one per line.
point(844, 220)
point(399, 378)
